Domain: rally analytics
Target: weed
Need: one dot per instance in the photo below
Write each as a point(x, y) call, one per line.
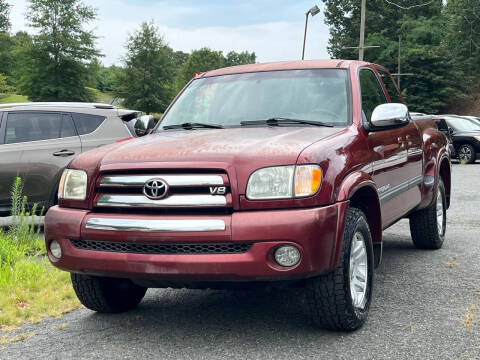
point(31, 287)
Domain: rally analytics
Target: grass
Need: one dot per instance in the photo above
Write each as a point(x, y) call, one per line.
point(30, 286)
point(13, 98)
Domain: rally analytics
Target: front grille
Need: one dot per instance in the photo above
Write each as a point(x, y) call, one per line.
point(183, 190)
point(134, 248)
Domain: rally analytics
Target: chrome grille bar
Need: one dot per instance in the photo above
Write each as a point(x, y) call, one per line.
point(140, 201)
point(154, 225)
point(172, 180)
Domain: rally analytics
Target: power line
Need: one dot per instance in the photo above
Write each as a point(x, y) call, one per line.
point(408, 7)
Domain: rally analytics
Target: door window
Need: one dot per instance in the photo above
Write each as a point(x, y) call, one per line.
point(29, 126)
point(372, 92)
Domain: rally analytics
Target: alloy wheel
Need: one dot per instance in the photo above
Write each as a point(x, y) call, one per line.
point(358, 270)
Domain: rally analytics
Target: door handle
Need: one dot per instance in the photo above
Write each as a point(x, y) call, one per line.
point(64, 153)
point(401, 141)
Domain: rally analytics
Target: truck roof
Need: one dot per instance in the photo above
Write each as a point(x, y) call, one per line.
point(284, 65)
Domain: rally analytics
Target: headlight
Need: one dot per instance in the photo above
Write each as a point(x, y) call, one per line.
point(477, 138)
point(284, 182)
point(73, 185)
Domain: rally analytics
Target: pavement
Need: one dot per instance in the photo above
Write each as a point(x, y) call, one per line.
point(426, 305)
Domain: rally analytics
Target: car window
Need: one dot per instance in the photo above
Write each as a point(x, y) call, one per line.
point(442, 125)
point(86, 123)
point(462, 124)
point(372, 92)
point(30, 126)
point(67, 129)
point(391, 88)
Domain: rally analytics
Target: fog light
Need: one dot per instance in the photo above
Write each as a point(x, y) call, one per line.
point(55, 249)
point(287, 255)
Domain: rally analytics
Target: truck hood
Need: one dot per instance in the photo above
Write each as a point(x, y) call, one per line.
point(258, 146)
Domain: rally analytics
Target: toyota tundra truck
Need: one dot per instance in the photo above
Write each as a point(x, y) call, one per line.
point(275, 174)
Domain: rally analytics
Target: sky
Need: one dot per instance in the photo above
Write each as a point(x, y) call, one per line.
point(273, 29)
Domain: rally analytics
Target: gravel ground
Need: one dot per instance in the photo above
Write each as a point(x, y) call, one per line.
point(420, 299)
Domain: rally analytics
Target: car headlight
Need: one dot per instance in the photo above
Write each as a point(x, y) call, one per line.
point(284, 182)
point(477, 138)
point(73, 185)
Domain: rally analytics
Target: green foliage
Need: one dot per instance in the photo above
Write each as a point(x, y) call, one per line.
point(13, 98)
point(5, 89)
point(4, 16)
point(145, 82)
point(23, 232)
point(31, 288)
point(424, 49)
point(52, 65)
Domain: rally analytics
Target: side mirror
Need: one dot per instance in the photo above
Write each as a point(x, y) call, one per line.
point(144, 124)
point(389, 115)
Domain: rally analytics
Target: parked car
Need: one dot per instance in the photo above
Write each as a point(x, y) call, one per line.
point(38, 140)
point(278, 174)
point(465, 135)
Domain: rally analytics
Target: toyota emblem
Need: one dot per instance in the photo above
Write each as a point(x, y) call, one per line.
point(155, 189)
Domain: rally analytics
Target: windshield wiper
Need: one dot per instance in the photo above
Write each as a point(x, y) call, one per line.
point(279, 120)
point(190, 126)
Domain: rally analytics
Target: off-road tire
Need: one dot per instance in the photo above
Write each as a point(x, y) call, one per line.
point(329, 297)
point(423, 223)
point(107, 295)
point(470, 149)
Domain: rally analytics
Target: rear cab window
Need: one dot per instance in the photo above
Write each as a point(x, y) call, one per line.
point(391, 87)
point(87, 123)
point(35, 126)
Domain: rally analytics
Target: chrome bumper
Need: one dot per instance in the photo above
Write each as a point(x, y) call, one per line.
point(140, 201)
point(155, 225)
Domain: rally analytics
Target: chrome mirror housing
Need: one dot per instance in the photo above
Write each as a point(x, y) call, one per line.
point(143, 124)
point(390, 114)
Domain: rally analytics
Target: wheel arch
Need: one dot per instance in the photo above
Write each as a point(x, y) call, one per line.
point(361, 192)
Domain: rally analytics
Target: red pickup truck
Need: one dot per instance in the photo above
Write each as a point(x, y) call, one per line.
point(277, 174)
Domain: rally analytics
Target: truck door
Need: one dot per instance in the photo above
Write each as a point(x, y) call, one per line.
point(414, 143)
point(390, 148)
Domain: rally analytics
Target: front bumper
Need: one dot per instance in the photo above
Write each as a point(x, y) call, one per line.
point(316, 232)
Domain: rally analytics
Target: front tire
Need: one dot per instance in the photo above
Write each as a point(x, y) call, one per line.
point(107, 295)
point(428, 226)
point(340, 300)
point(466, 154)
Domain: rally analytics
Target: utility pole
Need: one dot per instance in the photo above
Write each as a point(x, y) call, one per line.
point(362, 32)
point(399, 66)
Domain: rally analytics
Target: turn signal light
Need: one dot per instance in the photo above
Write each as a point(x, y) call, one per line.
point(307, 180)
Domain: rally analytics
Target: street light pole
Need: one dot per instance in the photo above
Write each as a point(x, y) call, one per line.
point(313, 11)
point(305, 34)
point(362, 32)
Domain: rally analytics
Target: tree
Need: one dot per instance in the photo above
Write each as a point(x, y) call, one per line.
point(462, 25)
point(233, 58)
point(206, 59)
point(53, 64)
point(4, 16)
point(423, 49)
point(145, 82)
point(4, 87)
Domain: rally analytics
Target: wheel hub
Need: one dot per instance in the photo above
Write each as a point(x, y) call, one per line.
point(358, 270)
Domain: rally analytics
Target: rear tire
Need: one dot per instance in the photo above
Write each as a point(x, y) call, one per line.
point(340, 300)
point(428, 226)
point(107, 295)
point(466, 153)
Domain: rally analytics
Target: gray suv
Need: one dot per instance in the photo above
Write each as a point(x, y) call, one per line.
point(38, 140)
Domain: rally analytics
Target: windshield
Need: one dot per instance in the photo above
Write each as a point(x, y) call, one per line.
point(314, 95)
point(463, 124)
